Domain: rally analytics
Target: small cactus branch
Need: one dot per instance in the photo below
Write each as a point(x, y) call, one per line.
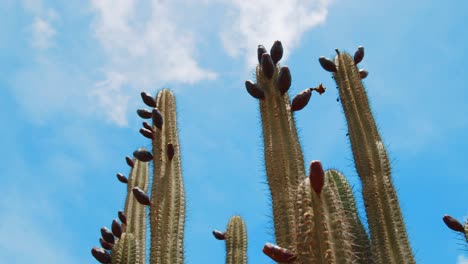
point(167, 212)
point(236, 241)
point(388, 235)
point(127, 251)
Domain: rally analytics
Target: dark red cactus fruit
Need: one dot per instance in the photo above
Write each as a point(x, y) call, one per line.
point(279, 254)
point(107, 235)
point(116, 228)
point(363, 73)
point(101, 255)
point(359, 55)
point(276, 51)
point(260, 50)
point(141, 196)
point(142, 155)
point(316, 176)
point(219, 235)
point(146, 133)
point(157, 118)
point(254, 90)
point(129, 161)
point(268, 68)
point(122, 217)
point(144, 113)
point(284, 80)
point(122, 178)
point(148, 99)
point(327, 64)
point(147, 126)
point(105, 244)
point(301, 99)
point(170, 151)
point(453, 224)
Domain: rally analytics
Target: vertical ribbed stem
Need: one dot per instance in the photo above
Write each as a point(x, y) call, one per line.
point(388, 235)
point(167, 212)
point(236, 241)
point(127, 250)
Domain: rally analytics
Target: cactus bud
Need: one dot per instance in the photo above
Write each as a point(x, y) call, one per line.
point(219, 235)
point(254, 90)
point(107, 235)
point(157, 118)
point(142, 155)
point(363, 73)
point(170, 151)
point(122, 178)
point(278, 254)
point(284, 80)
point(122, 217)
point(144, 113)
point(268, 68)
point(116, 228)
point(104, 244)
point(146, 133)
point(276, 51)
point(453, 224)
point(147, 126)
point(148, 99)
point(300, 100)
point(327, 64)
point(129, 161)
point(359, 55)
point(101, 255)
point(316, 176)
point(260, 50)
point(141, 196)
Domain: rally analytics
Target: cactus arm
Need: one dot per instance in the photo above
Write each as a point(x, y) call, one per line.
point(236, 241)
point(167, 212)
point(128, 251)
point(388, 235)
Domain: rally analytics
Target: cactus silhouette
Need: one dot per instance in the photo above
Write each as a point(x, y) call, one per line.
point(314, 213)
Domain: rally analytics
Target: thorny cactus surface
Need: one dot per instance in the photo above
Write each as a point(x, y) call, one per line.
point(314, 213)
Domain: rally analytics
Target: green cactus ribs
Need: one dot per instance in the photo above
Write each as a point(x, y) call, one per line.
point(389, 241)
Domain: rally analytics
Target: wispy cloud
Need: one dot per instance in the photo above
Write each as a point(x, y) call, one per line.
point(43, 31)
point(462, 259)
point(264, 21)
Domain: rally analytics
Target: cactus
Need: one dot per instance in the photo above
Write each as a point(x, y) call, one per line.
point(315, 216)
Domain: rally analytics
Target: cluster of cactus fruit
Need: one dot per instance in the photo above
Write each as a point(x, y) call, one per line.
point(315, 216)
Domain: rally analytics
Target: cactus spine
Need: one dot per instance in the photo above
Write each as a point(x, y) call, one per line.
point(388, 235)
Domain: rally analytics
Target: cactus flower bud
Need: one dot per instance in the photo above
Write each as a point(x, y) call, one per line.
point(107, 235)
point(301, 99)
point(122, 217)
point(142, 155)
point(101, 255)
point(141, 196)
point(170, 151)
point(359, 55)
point(276, 51)
point(129, 161)
point(278, 254)
point(453, 224)
point(268, 68)
point(157, 118)
point(146, 133)
point(219, 235)
point(148, 99)
point(116, 228)
point(363, 73)
point(104, 244)
point(122, 178)
point(327, 64)
point(144, 113)
point(260, 50)
point(147, 126)
point(254, 90)
point(316, 176)
point(284, 80)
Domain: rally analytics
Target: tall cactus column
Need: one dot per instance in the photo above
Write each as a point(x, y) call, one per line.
point(389, 241)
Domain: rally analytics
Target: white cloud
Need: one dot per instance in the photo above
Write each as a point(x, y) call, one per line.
point(43, 32)
point(264, 21)
point(462, 260)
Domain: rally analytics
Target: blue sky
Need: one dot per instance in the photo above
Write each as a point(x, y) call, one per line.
point(70, 77)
